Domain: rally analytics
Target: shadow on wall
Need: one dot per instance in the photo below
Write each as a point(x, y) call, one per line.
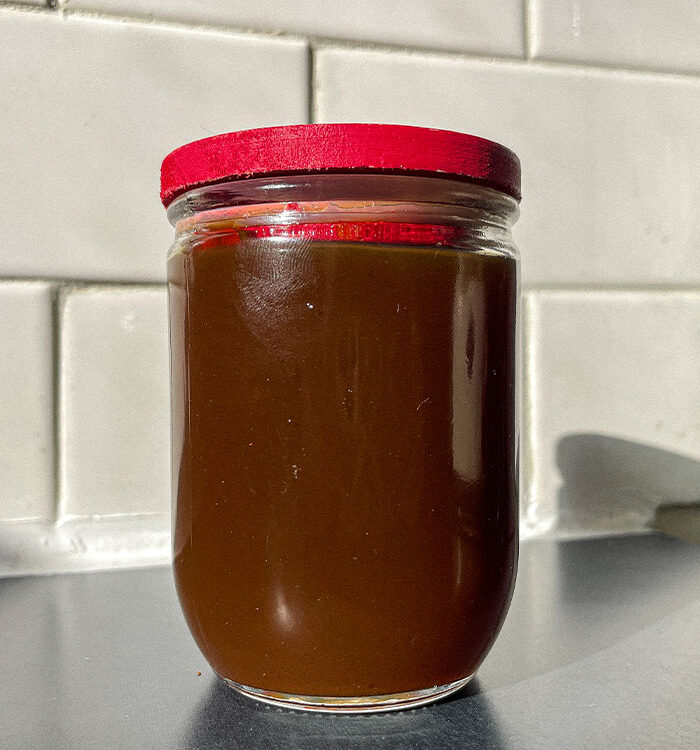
point(619, 485)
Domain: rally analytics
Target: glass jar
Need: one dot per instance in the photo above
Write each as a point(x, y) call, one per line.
point(345, 441)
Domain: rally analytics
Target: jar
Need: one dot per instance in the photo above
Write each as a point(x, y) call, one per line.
point(345, 443)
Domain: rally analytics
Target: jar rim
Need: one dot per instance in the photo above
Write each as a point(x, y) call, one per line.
point(339, 148)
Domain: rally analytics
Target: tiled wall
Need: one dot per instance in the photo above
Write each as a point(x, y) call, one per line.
point(601, 100)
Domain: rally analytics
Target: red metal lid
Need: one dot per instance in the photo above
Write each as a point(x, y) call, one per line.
point(351, 147)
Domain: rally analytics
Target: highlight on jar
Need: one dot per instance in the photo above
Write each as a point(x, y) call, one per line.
point(344, 379)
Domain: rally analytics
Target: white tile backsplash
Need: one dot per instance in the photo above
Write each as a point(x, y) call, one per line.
point(472, 25)
point(660, 34)
point(611, 168)
point(605, 120)
point(615, 404)
point(90, 108)
point(114, 402)
point(26, 401)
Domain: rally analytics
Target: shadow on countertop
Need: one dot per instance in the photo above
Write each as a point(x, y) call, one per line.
point(577, 597)
point(224, 719)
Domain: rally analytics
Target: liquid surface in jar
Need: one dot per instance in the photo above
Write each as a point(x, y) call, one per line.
point(344, 457)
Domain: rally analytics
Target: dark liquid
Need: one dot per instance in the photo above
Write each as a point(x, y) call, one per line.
point(344, 461)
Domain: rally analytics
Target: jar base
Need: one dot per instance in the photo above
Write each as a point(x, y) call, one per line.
point(351, 704)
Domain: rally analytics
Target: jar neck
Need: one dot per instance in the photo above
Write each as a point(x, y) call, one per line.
point(479, 214)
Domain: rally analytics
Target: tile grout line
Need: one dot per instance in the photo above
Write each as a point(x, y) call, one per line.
point(63, 290)
point(541, 63)
point(669, 289)
point(527, 28)
point(49, 7)
point(78, 285)
point(546, 64)
point(312, 85)
point(57, 294)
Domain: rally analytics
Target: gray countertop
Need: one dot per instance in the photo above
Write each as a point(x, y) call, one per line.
point(601, 649)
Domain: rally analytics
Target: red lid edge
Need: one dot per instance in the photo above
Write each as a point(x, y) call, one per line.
point(333, 148)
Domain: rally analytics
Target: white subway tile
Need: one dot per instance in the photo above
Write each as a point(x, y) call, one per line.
point(26, 401)
point(114, 402)
point(90, 108)
point(611, 168)
point(615, 405)
point(660, 34)
point(474, 25)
